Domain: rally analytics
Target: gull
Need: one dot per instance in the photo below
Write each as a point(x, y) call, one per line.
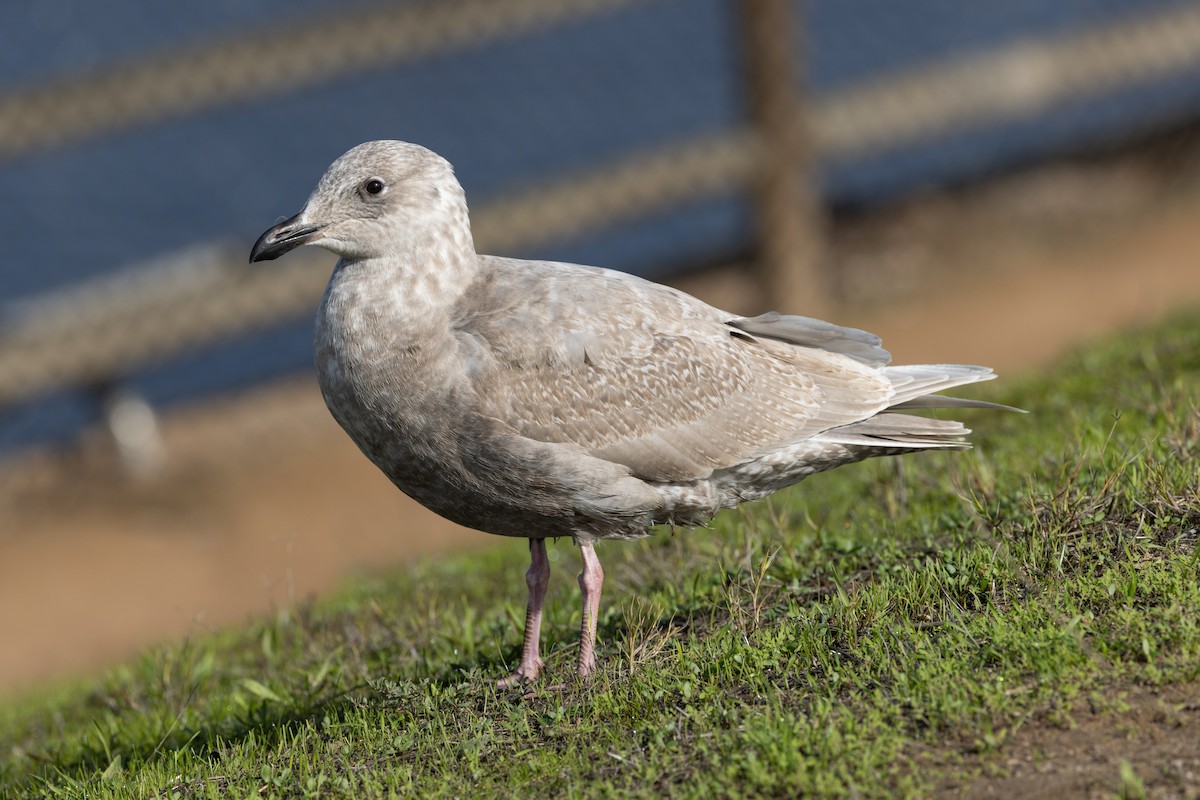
point(538, 399)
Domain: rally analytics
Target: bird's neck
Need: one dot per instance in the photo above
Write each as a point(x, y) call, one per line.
point(426, 269)
point(383, 319)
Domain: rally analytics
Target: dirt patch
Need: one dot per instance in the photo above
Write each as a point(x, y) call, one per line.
point(264, 502)
point(1139, 742)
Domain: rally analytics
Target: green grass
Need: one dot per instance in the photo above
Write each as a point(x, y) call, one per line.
point(869, 632)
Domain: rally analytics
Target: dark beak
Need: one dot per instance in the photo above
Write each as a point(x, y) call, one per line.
point(287, 235)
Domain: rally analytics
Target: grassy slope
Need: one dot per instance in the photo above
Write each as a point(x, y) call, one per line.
point(862, 633)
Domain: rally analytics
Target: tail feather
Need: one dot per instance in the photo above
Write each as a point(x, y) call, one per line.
point(918, 380)
point(942, 401)
point(901, 431)
point(915, 386)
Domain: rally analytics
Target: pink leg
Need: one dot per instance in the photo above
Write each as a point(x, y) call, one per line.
point(537, 578)
point(590, 582)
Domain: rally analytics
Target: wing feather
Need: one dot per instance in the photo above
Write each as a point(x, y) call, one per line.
point(645, 376)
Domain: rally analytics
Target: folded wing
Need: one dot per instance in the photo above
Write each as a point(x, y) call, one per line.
point(644, 376)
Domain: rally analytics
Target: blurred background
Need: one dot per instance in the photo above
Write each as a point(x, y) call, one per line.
point(982, 182)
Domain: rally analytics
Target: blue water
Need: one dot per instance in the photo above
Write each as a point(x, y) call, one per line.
point(505, 114)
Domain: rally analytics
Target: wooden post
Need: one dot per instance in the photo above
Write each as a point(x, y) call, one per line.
point(789, 220)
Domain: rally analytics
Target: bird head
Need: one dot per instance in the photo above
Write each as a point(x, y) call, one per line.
point(369, 200)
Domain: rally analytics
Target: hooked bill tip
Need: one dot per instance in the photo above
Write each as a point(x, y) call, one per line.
point(282, 238)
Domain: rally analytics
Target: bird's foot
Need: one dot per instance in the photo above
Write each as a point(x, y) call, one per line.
point(587, 666)
point(526, 673)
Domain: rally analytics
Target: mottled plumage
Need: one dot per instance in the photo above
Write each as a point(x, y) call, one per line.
point(537, 399)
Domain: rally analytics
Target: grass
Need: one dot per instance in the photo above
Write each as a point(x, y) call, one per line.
point(883, 630)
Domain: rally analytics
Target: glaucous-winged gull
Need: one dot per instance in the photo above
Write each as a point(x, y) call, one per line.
point(539, 399)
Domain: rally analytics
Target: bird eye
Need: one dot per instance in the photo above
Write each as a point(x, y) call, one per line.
point(373, 186)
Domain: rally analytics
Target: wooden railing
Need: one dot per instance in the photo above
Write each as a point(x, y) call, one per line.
point(93, 334)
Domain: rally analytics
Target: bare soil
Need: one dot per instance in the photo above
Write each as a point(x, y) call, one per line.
point(1151, 750)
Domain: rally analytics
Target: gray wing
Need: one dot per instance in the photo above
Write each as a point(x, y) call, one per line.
point(645, 376)
point(809, 332)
